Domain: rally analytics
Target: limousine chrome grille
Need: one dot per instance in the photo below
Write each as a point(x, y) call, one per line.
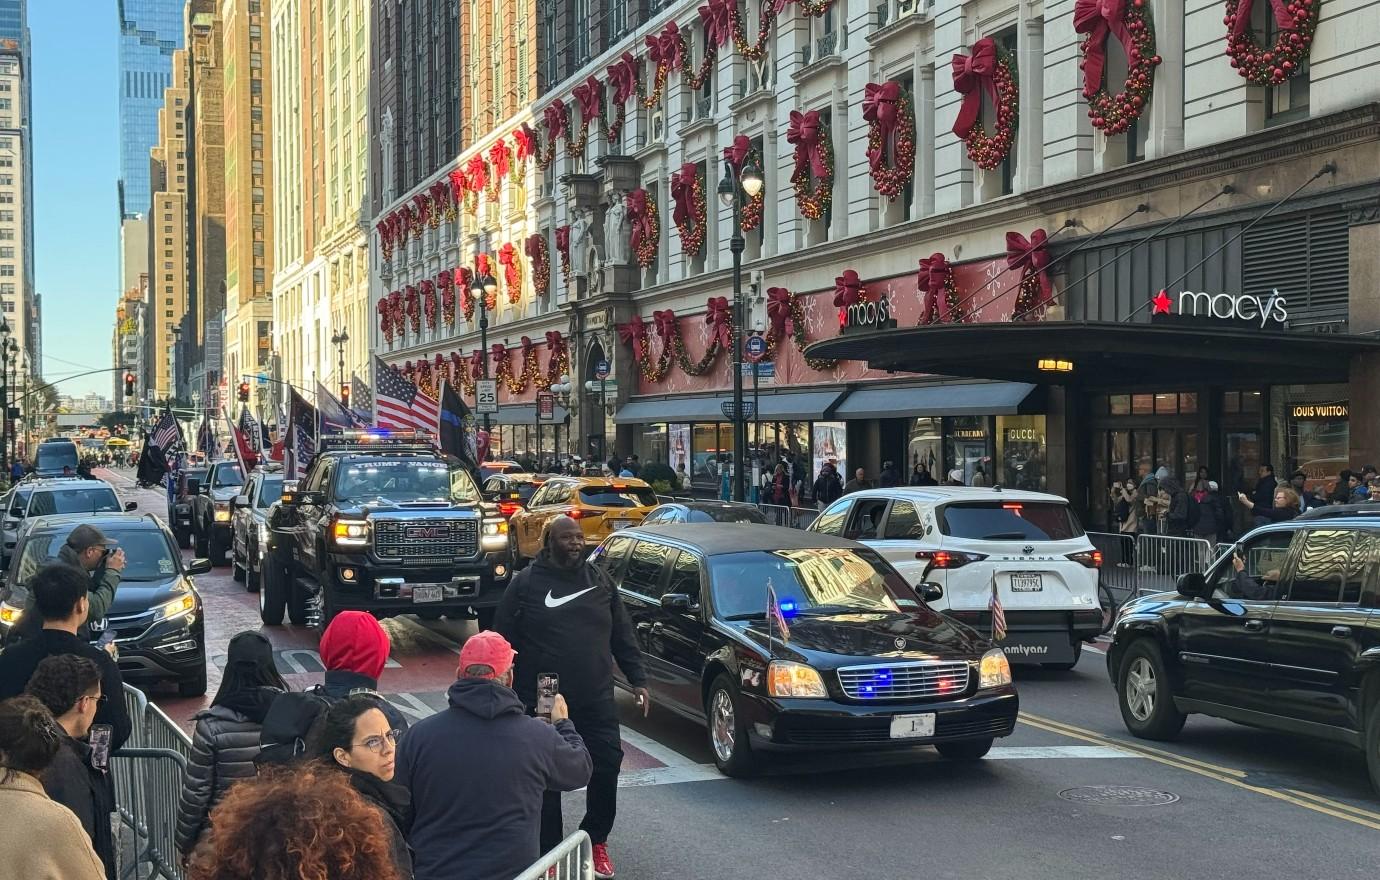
point(904, 681)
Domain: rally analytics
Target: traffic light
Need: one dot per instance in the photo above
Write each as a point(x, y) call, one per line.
point(244, 392)
point(345, 393)
point(129, 384)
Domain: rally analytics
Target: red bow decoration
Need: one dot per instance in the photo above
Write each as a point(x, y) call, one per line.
point(666, 324)
point(803, 131)
point(457, 362)
point(639, 215)
point(440, 194)
point(534, 250)
point(633, 333)
point(554, 116)
point(499, 155)
point(411, 299)
point(848, 289)
point(666, 48)
point(972, 76)
point(563, 241)
point(934, 272)
point(409, 217)
point(1031, 256)
point(459, 184)
point(737, 154)
point(555, 341)
point(720, 328)
point(446, 281)
point(526, 140)
point(499, 352)
point(408, 369)
point(423, 203)
point(385, 319)
point(395, 305)
point(507, 257)
point(526, 347)
point(478, 173)
point(718, 22)
point(880, 106)
point(442, 374)
point(428, 290)
point(476, 363)
point(481, 263)
point(424, 371)
point(683, 192)
point(590, 94)
point(623, 78)
point(779, 309)
point(1284, 19)
point(1097, 19)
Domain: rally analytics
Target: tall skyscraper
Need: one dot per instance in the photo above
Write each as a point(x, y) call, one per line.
point(150, 31)
point(17, 298)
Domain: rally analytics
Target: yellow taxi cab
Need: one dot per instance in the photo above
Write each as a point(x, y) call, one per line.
point(601, 505)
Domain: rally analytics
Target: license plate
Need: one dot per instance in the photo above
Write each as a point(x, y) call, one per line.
point(1027, 583)
point(619, 524)
point(912, 726)
point(427, 594)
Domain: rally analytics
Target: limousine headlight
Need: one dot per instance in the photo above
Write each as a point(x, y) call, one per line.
point(786, 679)
point(994, 670)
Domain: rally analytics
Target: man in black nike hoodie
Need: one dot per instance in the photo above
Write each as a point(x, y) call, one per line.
point(564, 616)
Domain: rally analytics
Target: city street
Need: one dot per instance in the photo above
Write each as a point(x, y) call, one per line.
point(1071, 794)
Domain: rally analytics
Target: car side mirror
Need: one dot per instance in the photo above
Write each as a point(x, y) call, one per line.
point(240, 501)
point(193, 487)
point(199, 566)
point(131, 505)
point(931, 592)
point(1192, 585)
point(677, 602)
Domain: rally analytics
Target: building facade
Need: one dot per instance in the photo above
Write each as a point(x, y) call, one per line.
point(17, 299)
point(168, 300)
point(202, 328)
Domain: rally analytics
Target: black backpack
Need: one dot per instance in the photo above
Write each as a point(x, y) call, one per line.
point(290, 719)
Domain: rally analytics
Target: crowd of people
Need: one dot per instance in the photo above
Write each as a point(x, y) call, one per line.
point(330, 781)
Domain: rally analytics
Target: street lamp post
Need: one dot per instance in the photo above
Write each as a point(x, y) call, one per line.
point(12, 366)
point(5, 397)
point(338, 339)
point(562, 391)
point(738, 183)
point(481, 288)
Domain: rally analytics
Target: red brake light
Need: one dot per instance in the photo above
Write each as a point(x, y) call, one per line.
point(617, 488)
point(947, 559)
point(508, 508)
point(1088, 558)
point(1012, 506)
point(578, 513)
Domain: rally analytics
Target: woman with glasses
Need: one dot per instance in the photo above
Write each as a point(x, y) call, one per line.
point(354, 736)
point(226, 739)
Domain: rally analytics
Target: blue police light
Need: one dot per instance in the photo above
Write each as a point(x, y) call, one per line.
point(787, 607)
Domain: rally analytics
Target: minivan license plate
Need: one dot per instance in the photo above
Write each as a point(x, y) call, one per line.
point(910, 726)
point(1026, 583)
point(426, 594)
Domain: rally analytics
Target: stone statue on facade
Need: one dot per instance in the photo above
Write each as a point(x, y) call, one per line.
point(617, 230)
point(584, 250)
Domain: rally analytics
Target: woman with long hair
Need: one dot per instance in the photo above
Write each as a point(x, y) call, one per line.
point(226, 739)
point(303, 824)
point(41, 839)
point(354, 736)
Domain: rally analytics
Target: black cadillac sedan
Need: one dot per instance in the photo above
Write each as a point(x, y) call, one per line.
point(847, 658)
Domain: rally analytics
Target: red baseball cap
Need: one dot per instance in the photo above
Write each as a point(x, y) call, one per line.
point(487, 648)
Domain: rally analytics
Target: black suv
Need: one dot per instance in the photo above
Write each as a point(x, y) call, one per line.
point(384, 524)
point(1282, 632)
point(211, 509)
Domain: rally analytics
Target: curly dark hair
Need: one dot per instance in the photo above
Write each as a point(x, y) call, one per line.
point(29, 737)
point(307, 824)
point(336, 728)
point(61, 680)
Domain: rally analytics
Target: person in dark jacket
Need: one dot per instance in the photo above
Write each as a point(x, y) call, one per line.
point(921, 476)
point(357, 738)
point(354, 650)
point(828, 488)
point(1262, 496)
point(888, 478)
point(86, 550)
point(1214, 519)
point(565, 617)
point(226, 739)
point(859, 482)
point(1298, 481)
point(71, 689)
point(60, 600)
point(1285, 506)
point(480, 771)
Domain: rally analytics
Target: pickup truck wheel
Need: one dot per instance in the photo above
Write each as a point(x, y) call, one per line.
point(217, 549)
point(203, 548)
point(1145, 694)
point(728, 735)
point(429, 614)
point(484, 618)
point(184, 539)
point(237, 571)
point(252, 577)
point(328, 606)
point(273, 595)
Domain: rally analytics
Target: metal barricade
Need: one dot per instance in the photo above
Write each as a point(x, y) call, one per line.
point(1118, 572)
point(573, 859)
point(1161, 559)
point(147, 774)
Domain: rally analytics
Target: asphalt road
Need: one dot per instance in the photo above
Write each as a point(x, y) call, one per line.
point(1238, 802)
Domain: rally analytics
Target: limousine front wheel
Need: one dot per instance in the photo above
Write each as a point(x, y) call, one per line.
point(728, 736)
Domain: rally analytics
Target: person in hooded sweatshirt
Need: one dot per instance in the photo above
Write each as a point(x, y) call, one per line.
point(354, 649)
point(566, 617)
point(479, 771)
point(226, 739)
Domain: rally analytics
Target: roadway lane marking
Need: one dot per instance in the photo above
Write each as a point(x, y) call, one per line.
point(1022, 753)
point(428, 634)
point(655, 750)
point(1228, 775)
point(691, 772)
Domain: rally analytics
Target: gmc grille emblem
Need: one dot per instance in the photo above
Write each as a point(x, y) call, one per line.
point(426, 532)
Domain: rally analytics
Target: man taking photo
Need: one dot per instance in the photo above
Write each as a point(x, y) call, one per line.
point(567, 619)
point(88, 549)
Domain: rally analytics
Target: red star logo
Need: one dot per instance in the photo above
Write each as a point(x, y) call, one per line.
point(1161, 302)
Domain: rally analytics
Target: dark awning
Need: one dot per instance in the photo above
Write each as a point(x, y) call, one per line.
point(794, 406)
point(1105, 353)
point(524, 414)
point(954, 399)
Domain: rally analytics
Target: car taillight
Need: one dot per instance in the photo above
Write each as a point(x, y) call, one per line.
point(579, 513)
point(1087, 558)
point(947, 559)
point(508, 508)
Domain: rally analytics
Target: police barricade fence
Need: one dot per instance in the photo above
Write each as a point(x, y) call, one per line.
point(1150, 563)
point(790, 517)
point(147, 773)
point(573, 859)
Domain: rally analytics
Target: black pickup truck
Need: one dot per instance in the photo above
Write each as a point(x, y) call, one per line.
point(388, 525)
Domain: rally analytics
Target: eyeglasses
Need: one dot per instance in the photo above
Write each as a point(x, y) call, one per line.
point(99, 698)
point(375, 743)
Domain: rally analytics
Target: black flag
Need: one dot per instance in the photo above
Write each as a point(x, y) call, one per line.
point(457, 428)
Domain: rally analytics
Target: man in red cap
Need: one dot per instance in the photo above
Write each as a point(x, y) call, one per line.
point(354, 649)
point(478, 771)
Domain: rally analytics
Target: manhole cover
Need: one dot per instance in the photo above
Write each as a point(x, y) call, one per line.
point(1118, 795)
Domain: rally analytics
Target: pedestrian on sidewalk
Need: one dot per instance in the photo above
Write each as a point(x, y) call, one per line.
point(40, 839)
point(60, 605)
point(566, 617)
point(1213, 521)
point(87, 550)
point(354, 649)
point(307, 824)
point(480, 817)
point(828, 488)
point(226, 739)
point(356, 737)
point(858, 483)
point(70, 688)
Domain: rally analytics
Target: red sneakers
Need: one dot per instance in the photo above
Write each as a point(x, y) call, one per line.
point(603, 865)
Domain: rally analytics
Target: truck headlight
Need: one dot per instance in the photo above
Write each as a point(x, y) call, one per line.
point(994, 670)
point(786, 679)
point(222, 512)
point(182, 605)
point(351, 532)
point(494, 535)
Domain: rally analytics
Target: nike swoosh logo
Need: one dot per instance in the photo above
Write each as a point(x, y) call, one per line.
point(553, 602)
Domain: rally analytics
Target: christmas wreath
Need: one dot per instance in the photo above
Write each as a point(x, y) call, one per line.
point(540, 258)
point(813, 177)
point(990, 70)
point(890, 115)
point(386, 319)
point(511, 262)
point(1130, 22)
point(558, 363)
point(666, 51)
point(646, 226)
point(786, 316)
point(1295, 20)
point(812, 8)
point(940, 302)
point(690, 211)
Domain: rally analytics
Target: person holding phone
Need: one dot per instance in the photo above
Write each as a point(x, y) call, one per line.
point(70, 687)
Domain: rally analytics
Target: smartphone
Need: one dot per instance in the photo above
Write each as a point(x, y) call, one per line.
point(106, 638)
point(99, 740)
point(548, 685)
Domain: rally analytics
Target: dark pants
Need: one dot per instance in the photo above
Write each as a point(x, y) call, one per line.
point(598, 727)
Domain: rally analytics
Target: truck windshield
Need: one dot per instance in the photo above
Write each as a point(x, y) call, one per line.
point(226, 475)
point(404, 481)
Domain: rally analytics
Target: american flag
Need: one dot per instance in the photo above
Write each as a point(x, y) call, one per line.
point(775, 613)
point(255, 432)
point(206, 435)
point(401, 405)
point(361, 398)
point(166, 433)
point(998, 613)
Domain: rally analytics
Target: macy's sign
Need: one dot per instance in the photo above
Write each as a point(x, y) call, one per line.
point(1226, 306)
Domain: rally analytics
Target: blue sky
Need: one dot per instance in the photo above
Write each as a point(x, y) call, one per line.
point(76, 165)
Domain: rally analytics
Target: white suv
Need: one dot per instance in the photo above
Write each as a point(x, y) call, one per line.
point(1028, 546)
